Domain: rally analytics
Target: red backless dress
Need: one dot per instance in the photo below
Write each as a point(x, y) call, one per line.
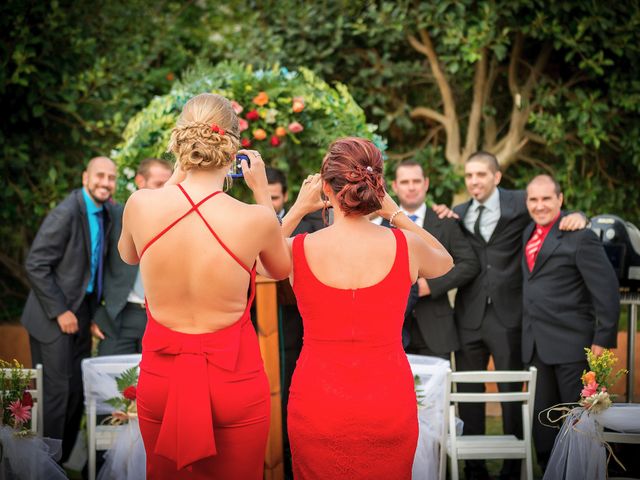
point(352, 406)
point(203, 399)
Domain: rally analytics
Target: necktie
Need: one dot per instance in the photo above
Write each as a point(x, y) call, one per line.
point(413, 217)
point(138, 289)
point(533, 247)
point(100, 252)
point(476, 226)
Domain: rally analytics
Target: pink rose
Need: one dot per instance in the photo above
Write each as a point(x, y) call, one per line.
point(295, 127)
point(589, 390)
point(236, 107)
point(242, 124)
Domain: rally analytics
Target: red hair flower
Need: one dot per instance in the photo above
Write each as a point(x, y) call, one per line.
point(216, 129)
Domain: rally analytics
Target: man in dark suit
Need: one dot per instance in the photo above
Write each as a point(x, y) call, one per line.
point(64, 266)
point(488, 309)
point(430, 324)
point(570, 299)
point(121, 319)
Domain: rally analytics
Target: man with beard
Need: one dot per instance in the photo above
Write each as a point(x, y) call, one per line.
point(64, 266)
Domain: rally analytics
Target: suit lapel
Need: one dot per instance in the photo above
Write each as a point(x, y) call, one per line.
point(462, 212)
point(506, 212)
point(430, 221)
point(551, 242)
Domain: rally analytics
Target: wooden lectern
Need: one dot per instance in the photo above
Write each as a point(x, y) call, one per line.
point(267, 320)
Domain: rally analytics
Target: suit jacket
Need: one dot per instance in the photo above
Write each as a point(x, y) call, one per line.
point(433, 312)
point(119, 278)
point(500, 275)
point(59, 266)
point(571, 298)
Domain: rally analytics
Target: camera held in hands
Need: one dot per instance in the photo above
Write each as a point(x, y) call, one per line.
point(236, 167)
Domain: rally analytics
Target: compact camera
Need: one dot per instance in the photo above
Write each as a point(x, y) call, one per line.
point(236, 167)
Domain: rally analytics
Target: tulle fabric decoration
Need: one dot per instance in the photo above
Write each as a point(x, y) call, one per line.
point(126, 459)
point(29, 457)
point(430, 390)
point(579, 451)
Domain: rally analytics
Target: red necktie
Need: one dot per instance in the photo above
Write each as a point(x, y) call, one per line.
point(533, 247)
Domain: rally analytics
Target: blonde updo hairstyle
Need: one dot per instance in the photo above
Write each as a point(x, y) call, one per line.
point(194, 142)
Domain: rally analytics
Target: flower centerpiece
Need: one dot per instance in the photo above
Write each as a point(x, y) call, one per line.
point(579, 450)
point(15, 399)
point(124, 404)
point(291, 117)
point(595, 395)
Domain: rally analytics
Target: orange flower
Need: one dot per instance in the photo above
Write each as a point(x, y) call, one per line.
point(298, 104)
point(261, 99)
point(259, 134)
point(589, 377)
point(281, 131)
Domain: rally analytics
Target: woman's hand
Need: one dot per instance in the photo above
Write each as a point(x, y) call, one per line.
point(309, 199)
point(389, 207)
point(255, 177)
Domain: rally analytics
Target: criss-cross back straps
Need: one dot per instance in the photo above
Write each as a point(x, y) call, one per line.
point(193, 207)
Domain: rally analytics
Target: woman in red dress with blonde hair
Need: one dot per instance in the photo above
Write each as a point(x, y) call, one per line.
point(352, 405)
point(203, 397)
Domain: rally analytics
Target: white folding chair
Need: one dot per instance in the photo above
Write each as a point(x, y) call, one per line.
point(434, 374)
point(35, 375)
point(481, 447)
point(99, 375)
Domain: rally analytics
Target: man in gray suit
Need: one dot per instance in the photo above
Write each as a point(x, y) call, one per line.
point(64, 266)
point(429, 324)
point(570, 300)
point(121, 319)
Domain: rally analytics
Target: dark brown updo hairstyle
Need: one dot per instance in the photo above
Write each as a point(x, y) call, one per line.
point(353, 170)
point(206, 134)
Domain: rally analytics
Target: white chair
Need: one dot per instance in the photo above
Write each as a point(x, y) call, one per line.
point(99, 375)
point(35, 375)
point(480, 447)
point(433, 373)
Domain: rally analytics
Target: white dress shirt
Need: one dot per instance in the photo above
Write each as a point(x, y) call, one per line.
point(420, 213)
point(490, 216)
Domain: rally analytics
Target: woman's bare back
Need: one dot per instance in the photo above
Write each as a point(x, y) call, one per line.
point(193, 283)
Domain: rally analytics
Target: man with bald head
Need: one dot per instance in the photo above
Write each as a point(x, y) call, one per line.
point(570, 302)
point(64, 267)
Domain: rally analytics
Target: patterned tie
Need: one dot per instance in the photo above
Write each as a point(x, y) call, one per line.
point(413, 217)
point(533, 247)
point(476, 226)
point(100, 252)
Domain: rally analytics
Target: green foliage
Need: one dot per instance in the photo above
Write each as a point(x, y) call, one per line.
point(72, 75)
point(324, 113)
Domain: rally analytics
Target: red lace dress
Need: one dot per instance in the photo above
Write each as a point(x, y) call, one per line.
point(352, 405)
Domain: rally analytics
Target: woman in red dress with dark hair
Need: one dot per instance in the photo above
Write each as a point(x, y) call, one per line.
point(352, 405)
point(203, 396)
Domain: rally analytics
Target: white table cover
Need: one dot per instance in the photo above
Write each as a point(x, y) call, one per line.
point(126, 459)
point(430, 417)
point(579, 451)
